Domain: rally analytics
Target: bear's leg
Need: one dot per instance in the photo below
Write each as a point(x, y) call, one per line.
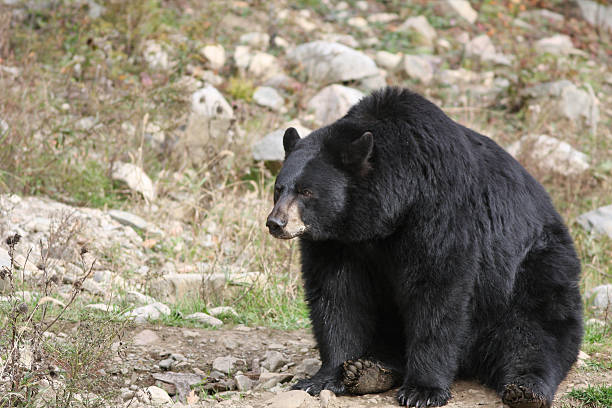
point(540, 334)
point(340, 295)
point(435, 322)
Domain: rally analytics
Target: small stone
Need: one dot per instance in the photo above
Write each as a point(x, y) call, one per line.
point(215, 54)
point(263, 65)
point(418, 67)
point(290, 399)
point(208, 102)
point(268, 380)
point(382, 18)
point(273, 360)
point(596, 13)
point(268, 97)
point(327, 398)
point(225, 364)
point(308, 367)
point(138, 298)
point(388, 60)
point(222, 310)
point(154, 396)
point(129, 219)
point(256, 39)
point(145, 338)
point(135, 178)
point(464, 9)
point(149, 312)
point(599, 220)
point(358, 22)
point(101, 307)
point(271, 148)
point(243, 383)
point(551, 154)
point(333, 102)
point(166, 364)
point(602, 296)
point(427, 34)
point(557, 44)
point(155, 56)
point(205, 319)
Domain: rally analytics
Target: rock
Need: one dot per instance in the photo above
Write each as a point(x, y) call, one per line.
point(129, 219)
point(308, 367)
point(222, 310)
point(327, 398)
point(182, 381)
point(209, 102)
point(271, 146)
point(176, 286)
point(149, 312)
point(255, 39)
point(542, 14)
point(328, 62)
point(273, 360)
point(382, 18)
point(418, 67)
point(242, 56)
point(145, 338)
point(291, 399)
point(572, 102)
point(92, 287)
point(359, 23)
point(333, 102)
point(602, 296)
point(599, 220)
point(155, 56)
point(215, 55)
point(138, 298)
point(595, 322)
point(268, 97)
point(464, 9)
point(205, 319)
point(388, 60)
point(557, 44)
point(426, 33)
point(226, 364)
point(166, 364)
point(154, 396)
point(243, 383)
point(482, 48)
point(263, 65)
point(95, 10)
point(135, 178)
point(373, 83)
point(597, 14)
point(345, 39)
point(268, 380)
point(102, 307)
point(550, 154)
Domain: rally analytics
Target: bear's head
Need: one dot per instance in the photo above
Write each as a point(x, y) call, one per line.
point(310, 194)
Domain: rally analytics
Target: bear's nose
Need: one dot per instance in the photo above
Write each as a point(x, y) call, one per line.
point(275, 224)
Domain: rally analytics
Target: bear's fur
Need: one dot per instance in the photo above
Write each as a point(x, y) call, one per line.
point(429, 250)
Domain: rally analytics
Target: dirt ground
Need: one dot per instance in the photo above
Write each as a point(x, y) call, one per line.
point(136, 364)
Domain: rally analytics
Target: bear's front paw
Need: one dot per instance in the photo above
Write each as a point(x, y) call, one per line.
point(414, 396)
point(316, 384)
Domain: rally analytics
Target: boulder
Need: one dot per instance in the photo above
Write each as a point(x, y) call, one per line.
point(271, 146)
point(599, 220)
point(333, 102)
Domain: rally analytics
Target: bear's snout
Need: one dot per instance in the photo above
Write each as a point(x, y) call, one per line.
point(275, 224)
point(285, 221)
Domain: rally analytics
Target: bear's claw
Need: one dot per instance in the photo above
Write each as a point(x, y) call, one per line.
point(366, 377)
point(413, 396)
point(518, 396)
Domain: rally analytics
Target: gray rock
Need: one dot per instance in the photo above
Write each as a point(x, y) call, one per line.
point(345, 39)
point(382, 18)
point(308, 367)
point(599, 220)
point(93, 287)
point(225, 365)
point(155, 397)
point(542, 14)
point(597, 14)
point(243, 383)
point(146, 338)
point(263, 65)
point(327, 398)
point(176, 286)
point(209, 102)
point(388, 60)
point(333, 102)
point(268, 380)
point(129, 219)
point(271, 146)
point(551, 154)
point(418, 67)
point(182, 382)
point(166, 364)
point(291, 399)
point(602, 296)
point(256, 39)
point(95, 10)
point(558, 44)
point(135, 178)
point(222, 310)
point(138, 298)
point(268, 97)
point(273, 360)
point(427, 34)
point(482, 48)
point(215, 55)
point(463, 9)
point(102, 307)
point(205, 319)
point(328, 62)
point(149, 312)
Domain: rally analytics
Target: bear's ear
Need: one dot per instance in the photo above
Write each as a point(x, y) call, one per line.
point(289, 140)
point(358, 152)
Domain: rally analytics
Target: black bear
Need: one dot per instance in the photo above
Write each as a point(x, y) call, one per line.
point(428, 254)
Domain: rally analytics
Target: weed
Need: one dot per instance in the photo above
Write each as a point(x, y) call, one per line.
point(593, 397)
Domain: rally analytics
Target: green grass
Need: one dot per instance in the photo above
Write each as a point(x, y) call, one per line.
point(594, 397)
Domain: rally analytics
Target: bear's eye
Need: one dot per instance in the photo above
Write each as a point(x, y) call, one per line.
point(305, 192)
